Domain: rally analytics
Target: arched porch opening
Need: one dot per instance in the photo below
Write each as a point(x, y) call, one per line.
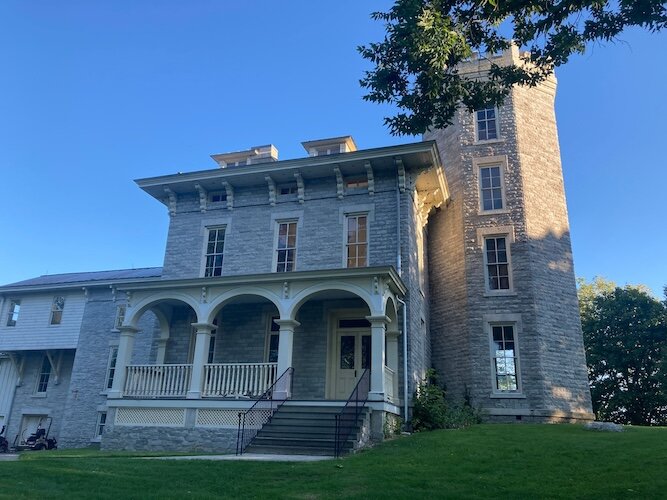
point(332, 344)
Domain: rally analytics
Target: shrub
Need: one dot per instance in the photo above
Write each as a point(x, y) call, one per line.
point(431, 411)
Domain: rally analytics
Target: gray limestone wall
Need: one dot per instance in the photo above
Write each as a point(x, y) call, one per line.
point(52, 403)
point(543, 297)
point(87, 392)
point(249, 237)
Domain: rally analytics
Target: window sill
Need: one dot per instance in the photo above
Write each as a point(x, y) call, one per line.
point(515, 395)
point(510, 293)
point(493, 212)
point(489, 141)
point(96, 439)
point(39, 395)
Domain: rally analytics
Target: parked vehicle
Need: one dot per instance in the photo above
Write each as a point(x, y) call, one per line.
point(39, 440)
point(4, 444)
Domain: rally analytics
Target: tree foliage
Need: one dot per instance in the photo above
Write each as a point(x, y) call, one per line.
point(625, 335)
point(416, 63)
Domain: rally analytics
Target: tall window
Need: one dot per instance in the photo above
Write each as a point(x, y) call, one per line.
point(286, 246)
point(497, 263)
point(272, 341)
point(111, 367)
point(44, 375)
point(13, 315)
point(487, 126)
point(357, 240)
point(214, 251)
point(101, 423)
point(490, 185)
point(505, 358)
point(57, 310)
point(120, 316)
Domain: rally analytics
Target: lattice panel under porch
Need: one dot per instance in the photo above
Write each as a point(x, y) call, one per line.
point(227, 419)
point(164, 417)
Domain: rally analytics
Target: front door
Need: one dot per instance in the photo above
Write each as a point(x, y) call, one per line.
point(353, 356)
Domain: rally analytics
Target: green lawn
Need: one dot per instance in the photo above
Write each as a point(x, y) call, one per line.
point(485, 461)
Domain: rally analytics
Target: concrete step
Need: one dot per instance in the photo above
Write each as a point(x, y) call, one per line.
point(291, 450)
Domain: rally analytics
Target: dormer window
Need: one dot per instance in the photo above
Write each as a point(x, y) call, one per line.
point(332, 150)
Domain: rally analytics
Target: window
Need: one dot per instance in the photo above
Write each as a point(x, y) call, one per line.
point(286, 246)
point(111, 367)
point(214, 251)
point(120, 316)
point(211, 343)
point(44, 375)
point(356, 183)
point(272, 341)
point(496, 255)
point(57, 310)
point(217, 196)
point(505, 358)
point(357, 240)
point(287, 189)
point(490, 187)
point(13, 315)
point(487, 128)
point(101, 423)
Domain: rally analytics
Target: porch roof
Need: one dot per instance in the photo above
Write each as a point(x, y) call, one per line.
point(395, 282)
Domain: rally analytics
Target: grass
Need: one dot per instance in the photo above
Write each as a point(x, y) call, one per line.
point(485, 461)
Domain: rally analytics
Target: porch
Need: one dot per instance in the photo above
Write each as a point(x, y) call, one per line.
point(218, 339)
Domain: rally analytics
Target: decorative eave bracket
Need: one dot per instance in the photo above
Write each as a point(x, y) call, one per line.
point(401, 173)
point(340, 192)
point(203, 197)
point(301, 189)
point(172, 199)
point(272, 190)
point(229, 190)
point(371, 179)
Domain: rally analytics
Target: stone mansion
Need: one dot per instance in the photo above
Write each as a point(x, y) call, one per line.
point(321, 272)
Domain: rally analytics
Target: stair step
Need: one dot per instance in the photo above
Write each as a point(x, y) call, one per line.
point(292, 450)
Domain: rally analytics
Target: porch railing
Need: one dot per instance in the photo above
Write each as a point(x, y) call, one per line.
point(157, 381)
point(238, 379)
point(346, 419)
point(259, 414)
point(389, 376)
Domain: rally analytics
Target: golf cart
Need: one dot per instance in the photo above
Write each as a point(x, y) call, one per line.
point(39, 440)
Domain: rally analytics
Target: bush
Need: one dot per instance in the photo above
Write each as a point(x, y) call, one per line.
point(431, 411)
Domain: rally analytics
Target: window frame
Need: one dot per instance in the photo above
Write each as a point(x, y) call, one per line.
point(121, 310)
point(43, 377)
point(100, 424)
point(346, 259)
point(486, 119)
point(205, 256)
point(13, 312)
point(506, 232)
point(487, 162)
point(276, 242)
point(271, 333)
point(505, 320)
point(110, 373)
point(57, 312)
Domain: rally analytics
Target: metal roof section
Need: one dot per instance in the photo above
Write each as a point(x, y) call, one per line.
point(78, 279)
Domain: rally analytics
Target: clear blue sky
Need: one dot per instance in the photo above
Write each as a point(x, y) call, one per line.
point(96, 94)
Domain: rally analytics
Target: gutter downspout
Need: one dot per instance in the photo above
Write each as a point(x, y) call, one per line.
point(405, 359)
point(398, 229)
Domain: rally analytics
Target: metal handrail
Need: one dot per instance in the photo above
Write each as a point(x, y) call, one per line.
point(349, 414)
point(259, 414)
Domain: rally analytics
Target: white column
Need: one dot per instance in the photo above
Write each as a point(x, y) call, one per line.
point(285, 352)
point(378, 324)
point(392, 358)
point(202, 341)
point(123, 358)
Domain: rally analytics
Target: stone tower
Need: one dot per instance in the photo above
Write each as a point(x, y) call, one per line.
point(505, 324)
